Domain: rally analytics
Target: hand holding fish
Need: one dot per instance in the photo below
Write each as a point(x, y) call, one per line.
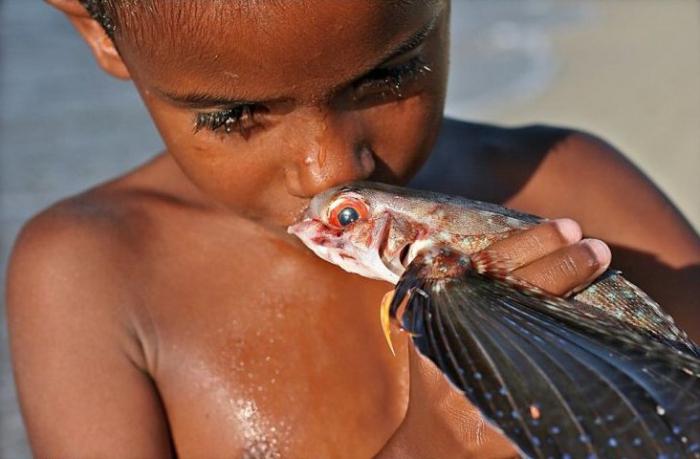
point(550, 255)
point(480, 291)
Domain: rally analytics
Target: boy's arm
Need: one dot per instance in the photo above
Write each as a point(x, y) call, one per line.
point(77, 362)
point(588, 180)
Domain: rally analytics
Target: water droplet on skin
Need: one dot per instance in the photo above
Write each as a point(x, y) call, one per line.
point(308, 161)
point(367, 160)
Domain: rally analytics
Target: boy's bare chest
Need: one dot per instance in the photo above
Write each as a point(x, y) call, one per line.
point(273, 354)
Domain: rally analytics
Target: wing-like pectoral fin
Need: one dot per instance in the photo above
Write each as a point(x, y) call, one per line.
point(555, 377)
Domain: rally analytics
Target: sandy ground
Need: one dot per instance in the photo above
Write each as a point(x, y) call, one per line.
point(627, 71)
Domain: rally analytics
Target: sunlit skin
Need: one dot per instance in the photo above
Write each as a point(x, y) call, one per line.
point(168, 310)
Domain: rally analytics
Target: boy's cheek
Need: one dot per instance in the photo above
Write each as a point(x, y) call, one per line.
point(404, 133)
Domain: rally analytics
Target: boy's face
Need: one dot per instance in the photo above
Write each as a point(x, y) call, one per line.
point(264, 104)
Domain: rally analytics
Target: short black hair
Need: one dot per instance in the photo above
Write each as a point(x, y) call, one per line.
point(103, 12)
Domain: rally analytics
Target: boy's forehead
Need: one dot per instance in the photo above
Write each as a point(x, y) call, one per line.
point(266, 47)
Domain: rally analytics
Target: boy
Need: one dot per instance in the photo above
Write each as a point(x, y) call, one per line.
point(167, 311)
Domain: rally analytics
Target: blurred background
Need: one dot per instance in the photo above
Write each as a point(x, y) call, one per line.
point(628, 71)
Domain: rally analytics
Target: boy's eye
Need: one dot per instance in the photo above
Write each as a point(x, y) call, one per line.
point(390, 81)
point(240, 118)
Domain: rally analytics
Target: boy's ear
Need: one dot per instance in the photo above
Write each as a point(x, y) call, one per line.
point(92, 32)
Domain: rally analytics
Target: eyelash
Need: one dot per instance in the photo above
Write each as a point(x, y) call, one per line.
point(393, 78)
point(241, 118)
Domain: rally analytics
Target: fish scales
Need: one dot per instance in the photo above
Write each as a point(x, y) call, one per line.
point(469, 226)
point(603, 374)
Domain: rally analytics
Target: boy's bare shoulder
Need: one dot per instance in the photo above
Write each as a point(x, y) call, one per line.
point(94, 225)
point(93, 246)
point(491, 162)
point(110, 221)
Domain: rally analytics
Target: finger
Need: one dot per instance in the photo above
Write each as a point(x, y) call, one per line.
point(569, 269)
point(527, 246)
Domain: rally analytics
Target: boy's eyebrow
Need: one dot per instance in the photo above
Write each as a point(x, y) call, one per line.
point(411, 43)
point(202, 100)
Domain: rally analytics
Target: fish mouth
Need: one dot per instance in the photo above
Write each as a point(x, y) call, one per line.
point(386, 255)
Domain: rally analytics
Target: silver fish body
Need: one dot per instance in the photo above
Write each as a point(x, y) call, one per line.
point(603, 374)
point(401, 222)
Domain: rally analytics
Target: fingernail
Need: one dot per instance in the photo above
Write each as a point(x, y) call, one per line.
point(600, 250)
point(569, 229)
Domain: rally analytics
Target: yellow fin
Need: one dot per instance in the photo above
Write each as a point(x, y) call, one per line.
point(385, 319)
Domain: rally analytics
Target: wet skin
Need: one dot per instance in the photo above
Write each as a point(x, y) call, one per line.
point(168, 310)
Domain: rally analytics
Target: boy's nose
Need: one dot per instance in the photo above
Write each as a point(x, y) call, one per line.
point(334, 150)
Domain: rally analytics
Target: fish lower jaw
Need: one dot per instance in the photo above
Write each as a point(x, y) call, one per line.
point(364, 265)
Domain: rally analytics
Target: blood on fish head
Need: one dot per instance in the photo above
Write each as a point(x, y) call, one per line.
point(375, 230)
point(346, 228)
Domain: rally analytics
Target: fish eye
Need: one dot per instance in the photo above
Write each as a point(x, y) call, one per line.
point(346, 211)
point(347, 216)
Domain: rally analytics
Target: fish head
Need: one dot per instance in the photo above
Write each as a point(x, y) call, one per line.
point(376, 230)
point(349, 227)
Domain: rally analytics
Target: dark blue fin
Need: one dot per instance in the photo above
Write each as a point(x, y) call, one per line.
point(559, 378)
